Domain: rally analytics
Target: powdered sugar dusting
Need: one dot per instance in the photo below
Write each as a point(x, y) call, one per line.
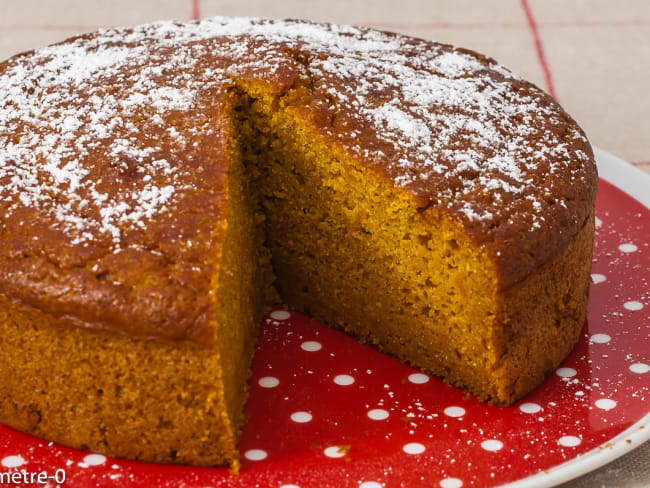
point(50, 166)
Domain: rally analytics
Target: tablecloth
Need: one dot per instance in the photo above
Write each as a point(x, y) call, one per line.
point(593, 56)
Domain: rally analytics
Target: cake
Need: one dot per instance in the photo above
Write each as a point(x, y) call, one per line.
point(162, 185)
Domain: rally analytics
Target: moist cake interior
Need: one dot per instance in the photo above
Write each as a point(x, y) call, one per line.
point(351, 250)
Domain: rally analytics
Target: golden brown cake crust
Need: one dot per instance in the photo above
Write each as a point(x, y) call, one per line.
point(112, 153)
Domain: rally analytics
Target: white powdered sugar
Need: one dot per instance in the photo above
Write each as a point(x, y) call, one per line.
point(50, 167)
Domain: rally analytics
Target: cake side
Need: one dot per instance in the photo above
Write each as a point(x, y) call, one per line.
point(243, 286)
point(541, 318)
point(110, 393)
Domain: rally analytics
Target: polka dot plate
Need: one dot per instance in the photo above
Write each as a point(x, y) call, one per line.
point(326, 411)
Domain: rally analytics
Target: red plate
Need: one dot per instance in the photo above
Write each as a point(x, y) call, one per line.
point(326, 411)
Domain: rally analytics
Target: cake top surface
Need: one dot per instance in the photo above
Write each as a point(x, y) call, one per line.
point(109, 153)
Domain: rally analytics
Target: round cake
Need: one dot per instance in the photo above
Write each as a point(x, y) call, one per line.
point(162, 185)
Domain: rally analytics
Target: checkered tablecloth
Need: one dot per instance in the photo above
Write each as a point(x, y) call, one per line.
point(593, 56)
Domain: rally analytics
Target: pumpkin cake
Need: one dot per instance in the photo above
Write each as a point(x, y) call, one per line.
point(162, 185)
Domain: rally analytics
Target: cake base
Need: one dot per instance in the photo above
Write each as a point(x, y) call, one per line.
point(113, 394)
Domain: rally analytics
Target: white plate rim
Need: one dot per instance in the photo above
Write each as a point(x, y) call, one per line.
point(636, 184)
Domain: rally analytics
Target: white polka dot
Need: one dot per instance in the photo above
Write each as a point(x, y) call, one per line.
point(639, 368)
point(454, 411)
point(413, 448)
point(530, 407)
point(600, 338)
point(94, 459)
point(569, 441)
point(633, 306)
point(280, 315)
point(598, 222)
point(605, 403)
point(13, 461)
point(492, 445)
point(301, 417)
point(311, 346)
point(370, 484)
point(255, 454)
point(378, 414)
point(334, 452)
point(627, 247)
point(597, 278)
point(451, 483)
point(343, 379)
point(566, 372)
point(418, 378)
point(268, 382)
point(289, 486)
